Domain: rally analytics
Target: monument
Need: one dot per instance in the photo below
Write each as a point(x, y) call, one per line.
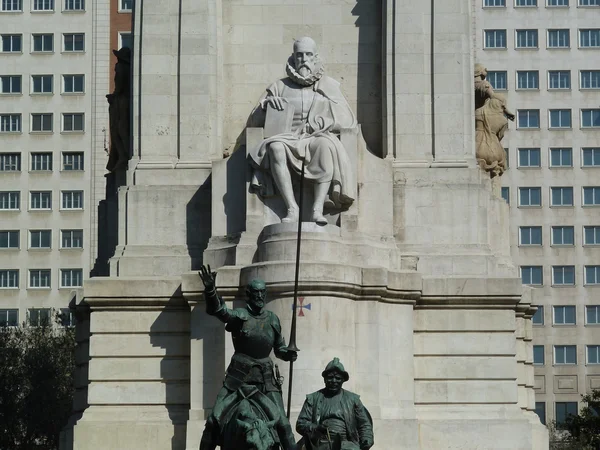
point(404, 256)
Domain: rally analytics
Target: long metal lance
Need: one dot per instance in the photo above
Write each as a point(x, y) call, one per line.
point(292, 343)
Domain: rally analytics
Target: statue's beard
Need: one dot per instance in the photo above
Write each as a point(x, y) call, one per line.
point(307, 74)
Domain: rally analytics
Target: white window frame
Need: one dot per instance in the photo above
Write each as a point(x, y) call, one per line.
point(596, 309)
point(548, 4)
point(5, 315)
point(121, 34)
point(541, 268)
point(9, 278)
point(125, 9)
point(530, 113)
point(10, 162)
point(72, 36)
point(69, 236)
point(11, 81)
point(73, 195)
point(12, 37)
point(72, 117)
point(74, 3)
point(596, 232)
point(42, 80)
point(530, 205)
point(42, 316)
point(567, 43)
point(11, 123)
point(492, 78)
point(76, 160)
point(560, 229)
point(562, 191)
point(507, 197)
point(589, 3)
point(532, 80)
point(44, 164)
point(13, 239)
point(501, 5)
point(43, 37)
point(561, 119)
point(596, 271)
point(593, 112)
point(41, 234)
point(72, 78)
point(535, 35)
point(533, 5)
point(594, 79)
point(595, 196)
point(42, 5)
point(563, 349)
point(528, 230)
point(46, 122)
point(528, 151)
point(560, 272)
point(495, 39)
point(539, 314)
point(43, 200)
point(592, 349)
point(595, 151)
point(41, 276)
point(12, 198)
point(561, 151)
point(72, 272)
point(11, 6)
point(592, 38)
point(560, 74)
point(543, 355)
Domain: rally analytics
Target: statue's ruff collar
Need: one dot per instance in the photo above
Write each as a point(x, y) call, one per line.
point(299, 79)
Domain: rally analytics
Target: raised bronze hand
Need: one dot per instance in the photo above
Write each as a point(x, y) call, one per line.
point(208, 278)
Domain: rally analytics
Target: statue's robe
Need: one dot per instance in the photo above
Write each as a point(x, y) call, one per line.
point(343, 414)
point(490, 125)
point(320, 113)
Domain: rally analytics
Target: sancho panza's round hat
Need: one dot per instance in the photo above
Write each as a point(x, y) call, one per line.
point(336, 365)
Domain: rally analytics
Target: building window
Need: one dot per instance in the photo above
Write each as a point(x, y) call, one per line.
point(527, 39)
point(540, 410)
point(72, 200)
point(531, 275)
point(561, 157)
point(10, 162)
point(590, 118)
point(563, 276)
point(591, 157)
point(589, 2)
point(593, 354)
point(591, 235)
point(494, 3)
point(72, 122)
point(538, 355)
point(74, 5)
point(66, 318)
point(528, 79)
point(530, 196)
point(590, 79)
point(9, 279)
point(10, 200)
point(528, 118)
point(560, 118)
point(565, 354)
point(43, 42)
point(495, 38)
point(589, 38)
point(125, 5)
point(559, 39)
point(74, 42)
point(10, 123)
point(538, 317)
point(530, 236)
point(39, 278)
point(12, 6)
point(71, 238)
point(498, 79)
point(41, 84)
point(43, 5)
point(529, 157)
point(592, 274)
point(591, 196)
point(39, 317)
point(10, 84)
point(12, 43)
point(41, 161)
point(9, 239)
point(561, 196)
point(564, 410)
point(9, 317)
point(592, 315)
point(41, 123)
point(73, 84)
point(41, 200)
point(71, 277)
point(126, 40)
point(72, 161)
point(505, 193)
point(563, 235)
point(507, 156)
point(559, 79)
point(40, 239)
point(558, 2)
point(526, 3)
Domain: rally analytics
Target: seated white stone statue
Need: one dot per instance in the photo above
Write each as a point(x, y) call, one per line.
point(320, 111)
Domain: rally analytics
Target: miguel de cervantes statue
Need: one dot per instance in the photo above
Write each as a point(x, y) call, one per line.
point(118, 112)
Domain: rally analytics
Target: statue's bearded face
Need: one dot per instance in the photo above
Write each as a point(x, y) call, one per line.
point(333, 381)
point(304, 58)
point(256, 298)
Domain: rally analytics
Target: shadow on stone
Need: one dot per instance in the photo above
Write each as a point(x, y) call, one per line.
point(198, 222)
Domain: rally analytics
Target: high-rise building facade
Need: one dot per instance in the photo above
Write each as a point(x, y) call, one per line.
point(544, 56)
point(55, 70)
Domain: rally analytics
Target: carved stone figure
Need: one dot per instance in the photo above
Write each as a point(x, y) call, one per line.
point(491, 121)
point(118, 111)
point(333, 417)
point(248, 412)
point(320, 111)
